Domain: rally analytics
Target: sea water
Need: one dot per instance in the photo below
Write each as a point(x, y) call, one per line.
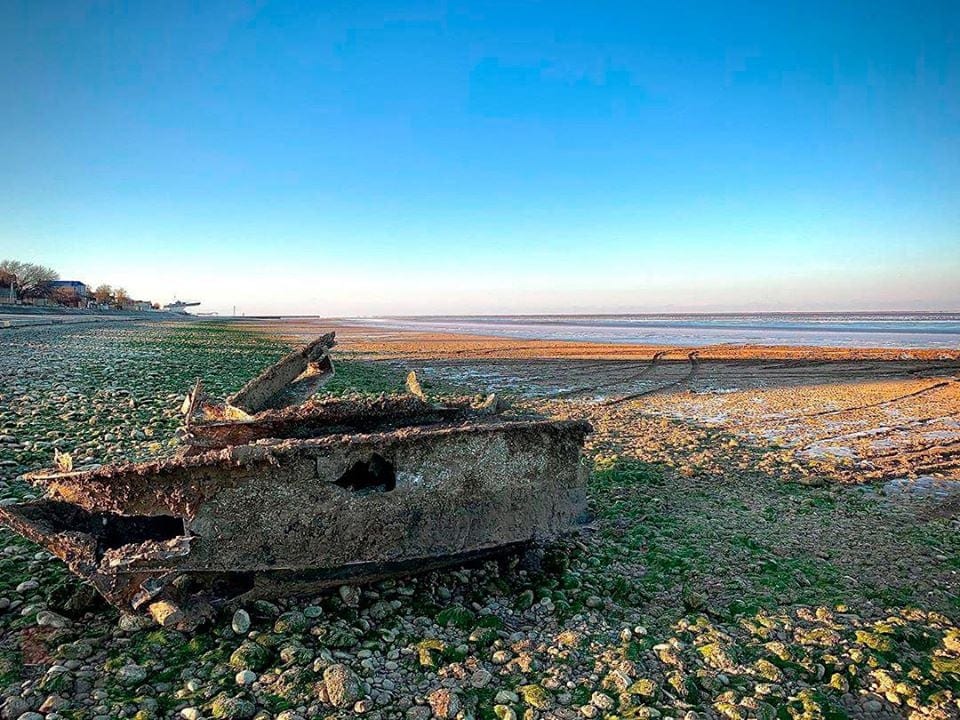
point(847, 330)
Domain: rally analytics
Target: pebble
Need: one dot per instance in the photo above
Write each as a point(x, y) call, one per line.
point(481, 678)
point(602, 701)
point(419, 712)
point(362, 706)
point(131, 675)
point(350, 594)
point(241, 622)
point(342, 685)
point(13, 707)
point(134, 623)
point(245, 677)
point(47, 618)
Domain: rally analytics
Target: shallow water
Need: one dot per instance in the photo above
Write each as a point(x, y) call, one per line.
point(876, 330)
point(923, 486)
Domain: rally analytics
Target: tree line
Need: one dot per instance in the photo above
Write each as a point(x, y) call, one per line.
point(30, 280)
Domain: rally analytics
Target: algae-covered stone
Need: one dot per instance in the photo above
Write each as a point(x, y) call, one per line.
point(428, 650)
point(766, 711)
point(290, 622)
point(951, 640)
point(818, 636)
point(342, 684)
point(946, 665)
point(338, 636)
point(350, 594)
point(232, 708)
point(292, 653)
point(250, 656)
point(715, 656)
point(569, 638)
point(645, 687)
point(47, 618)
point(875, 641)
point(131, 675)
point(768, 671)
point(535, 696)
point(839, 682)
point(483, 636)
point(456, 616)
point(779, 649)
point(75, 650)
point(602, 701)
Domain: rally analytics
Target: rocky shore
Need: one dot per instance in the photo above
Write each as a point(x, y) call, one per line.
point(719, 578)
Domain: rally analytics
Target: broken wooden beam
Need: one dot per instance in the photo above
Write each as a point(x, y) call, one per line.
point(290, 381)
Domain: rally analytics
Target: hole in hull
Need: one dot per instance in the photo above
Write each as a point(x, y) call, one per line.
point(110, 530)
point(120, 530)
point(369, 476)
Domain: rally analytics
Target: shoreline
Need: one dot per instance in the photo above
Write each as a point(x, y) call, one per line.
point(400, 343)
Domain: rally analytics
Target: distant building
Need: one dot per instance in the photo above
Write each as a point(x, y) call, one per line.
point(179, 306)
point(81, 290)
point(66, 293)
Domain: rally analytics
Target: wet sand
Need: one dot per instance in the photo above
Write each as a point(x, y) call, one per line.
point(385, 343)
point(853, 414)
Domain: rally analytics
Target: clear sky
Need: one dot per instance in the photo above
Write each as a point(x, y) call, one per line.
point(394, 158)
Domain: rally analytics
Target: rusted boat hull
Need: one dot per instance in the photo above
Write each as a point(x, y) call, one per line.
point(276, 493)
point(309, 513)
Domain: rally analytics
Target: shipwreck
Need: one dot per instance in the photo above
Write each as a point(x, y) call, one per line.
point(276, 492)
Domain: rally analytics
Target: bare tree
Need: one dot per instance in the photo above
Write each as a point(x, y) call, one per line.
point(121, 297)
point(29, 278)
point(103, 293)
point(65, 296)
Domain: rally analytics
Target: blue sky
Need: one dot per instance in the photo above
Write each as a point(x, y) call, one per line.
point(373, 158)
